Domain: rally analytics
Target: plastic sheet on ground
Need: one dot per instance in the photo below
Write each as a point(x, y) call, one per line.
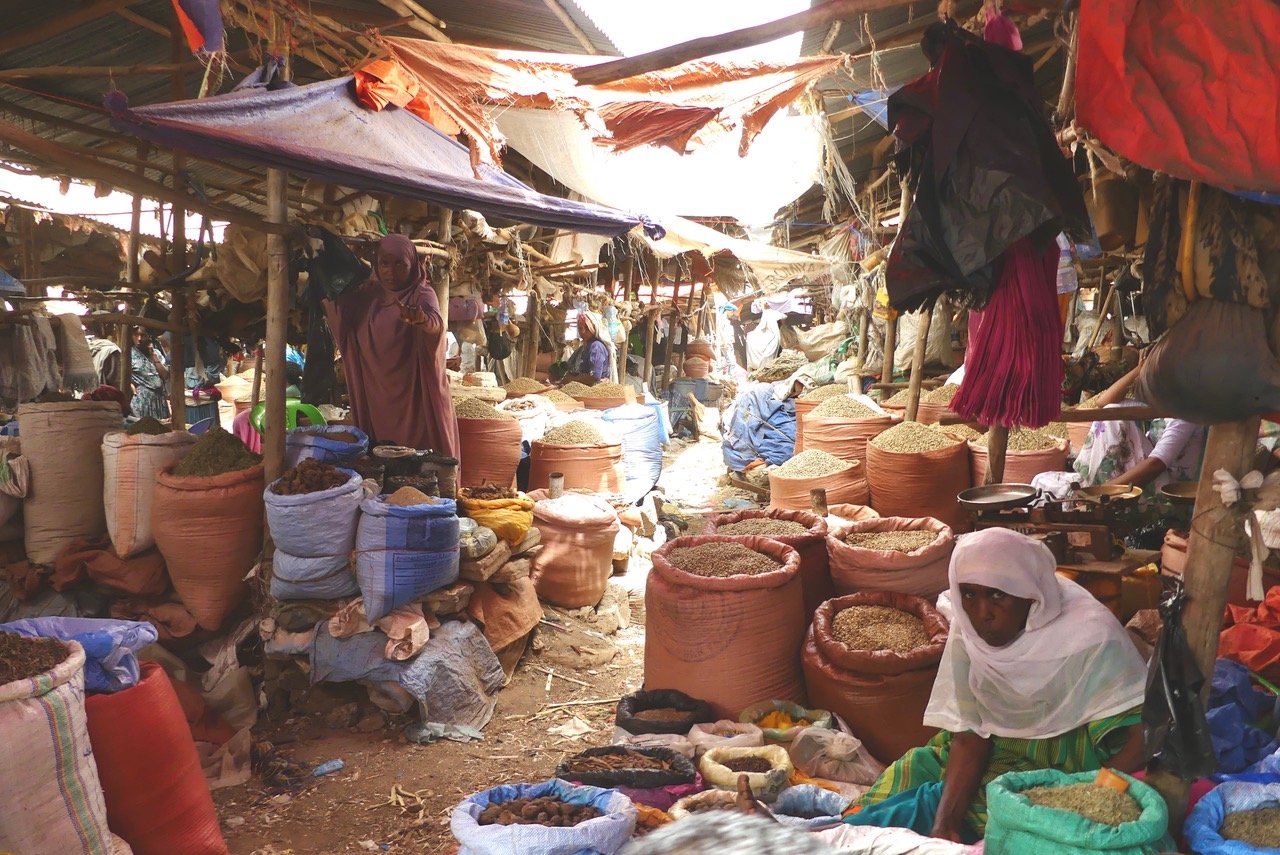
point(456, 677)
point(1234, 706)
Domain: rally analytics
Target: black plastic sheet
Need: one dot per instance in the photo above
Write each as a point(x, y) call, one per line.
point(1176, 730)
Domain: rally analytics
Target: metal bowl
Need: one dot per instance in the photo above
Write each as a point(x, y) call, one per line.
point(1104, 493)
point(997, 497)
point(1180, 492)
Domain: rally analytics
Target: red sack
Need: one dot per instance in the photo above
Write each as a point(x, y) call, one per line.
point(576, 560)
point(924, 484)
point(489, 451)
point(815, 572)
point(922, 572)
point(157, 797)
point(845, 438)
point(1019, 466)
point(731, 641)
point(880, 695)
point(848, 487)
point(597, 468)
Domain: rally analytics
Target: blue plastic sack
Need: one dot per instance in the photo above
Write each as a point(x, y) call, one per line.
point(315, 525)
point(403, 553)
point(1202, 827)
point(325, 578)
point(641, 432)
point(309, 442)
point(809, 807)
point(604, 835)
point(110, 646)
point(1233, 705)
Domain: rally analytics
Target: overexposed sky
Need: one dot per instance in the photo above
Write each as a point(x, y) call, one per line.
point(642, 27)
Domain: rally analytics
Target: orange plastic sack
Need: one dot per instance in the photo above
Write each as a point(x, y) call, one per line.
point(845, 438)
point(922, 572)
point(157, 797)
point(209, 531)
point(804, 406)
point(837, 514)
point(597, 468)
point(731, 641)
point(881, 695)
point(847, 487)
point(815, 573)
point(924, 484)
point(489, 451)
point(576, 560)
point(931, 414)
point(506, 613)
point(1019, 466)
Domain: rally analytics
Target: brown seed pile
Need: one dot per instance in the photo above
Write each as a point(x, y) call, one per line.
point(547, 810)
point(662, 714)
point(812, 464)
point(574, 389)
point(879, 628)
point(616, 762)
point(21, 658)
point(524, 386)
point(406, 496)
point(764, 526)
point(1259, 827)
point(899, 398)
point(913, 438)
point(941, 395)
point(604, 390)
point(149, 426)
point(558, 396)
point(891, 541)
point(309, 476)
point(1096, 804)
point(720, 560)
point(573, 433)
point(747, 764)
point(707, 805)
point(1024, 439)
point(215, 453)
point(844, 407)
point(822, 393)
point(476, 409)
point(487, 492)
point(963, 432)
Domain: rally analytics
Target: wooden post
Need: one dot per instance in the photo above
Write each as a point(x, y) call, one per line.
point(890, 345)
point(650, 320)
point(442, 284)
point(997, 447)
point(684, 337)
point(673, 316)
point(277, 326)
point(178, 305)
point(860, 364)
point(917, 362)
point(627, 274)
point(1211, 550)
point(533, 337)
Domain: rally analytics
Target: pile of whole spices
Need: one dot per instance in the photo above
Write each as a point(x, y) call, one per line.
point(763, 526)
point(524, 386)
point(149, 426)
point(721, 560)
point(520, 406)
point(574, 389)
point(573, 433)
point(1024, 439)
point(615, 762)
point(941, 395)
point(913, 438)
point(844, 407)
point(604, 390)
point(478, 410)
point(1096, 804)
point(22, 658)
point(309, 476)
point(707, 805)
point(215, 453)
point(333, 435)
point(546, 810)
point(558, 397)
point(899, 398)
point(879, 628)
point(891, 541)
point(407, 496)
point(963, 432)
point(488, 492)
point(812, 464)
point(1259, 827)
point(662, 714)
point(822, 393)
point(747, 764)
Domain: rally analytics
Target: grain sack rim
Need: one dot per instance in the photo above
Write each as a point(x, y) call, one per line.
point(765, 785)
point(354, 482)
point(944, 536)
point(540, 444)
point(200, 483)
point(788, 555)
point(885, 662)
point(817, 525)
point(376, 506)
point(46, 681)
point(1009, 811)
point(122, 439)
point(853, 472)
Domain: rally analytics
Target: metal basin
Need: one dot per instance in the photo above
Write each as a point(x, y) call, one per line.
point(997, 497)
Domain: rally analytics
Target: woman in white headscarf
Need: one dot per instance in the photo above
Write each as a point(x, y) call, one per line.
point(593, 361)
point(1036, 674)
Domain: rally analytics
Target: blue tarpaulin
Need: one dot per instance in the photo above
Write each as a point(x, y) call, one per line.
point(875, 103)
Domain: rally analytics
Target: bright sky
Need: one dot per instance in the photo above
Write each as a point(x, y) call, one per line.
point(642, 27)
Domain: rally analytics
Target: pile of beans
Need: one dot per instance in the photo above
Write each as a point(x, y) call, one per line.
point(844, 407)
point(720, 560)
point(573, 433)
point(406, 496)
point(476, 409)
point(603, 390)
point(1024, 439)
point(764, 526)
point(548, 811)
point(309, 476)
point(748, 764)
point(822, 393)
point(1259, 827)
point(879, 628)
point(941, 395)
point(963, 432)
point(912, 438)
point(812, 464)
point(1096, 804)
point(524, 386)
point(899, 398)
point(574, 389)
point(891, 541)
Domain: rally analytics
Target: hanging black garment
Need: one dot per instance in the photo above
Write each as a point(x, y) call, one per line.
point(319, 380)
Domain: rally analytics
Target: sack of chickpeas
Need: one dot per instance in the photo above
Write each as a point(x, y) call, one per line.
point(790, 483)
point(916, 471)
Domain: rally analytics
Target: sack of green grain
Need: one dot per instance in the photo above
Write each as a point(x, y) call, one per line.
point(804, 532)
point(1016, 824)
point(875, 666)
point(791, 483)
point(1030, 452)
point(916, 471)
point(909, 556)
point(843, 436)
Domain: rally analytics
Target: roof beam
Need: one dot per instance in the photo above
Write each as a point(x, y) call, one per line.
point(572, 26)
point(832, 34)
point(96, 70)
point(422, 20)
point(61, 24)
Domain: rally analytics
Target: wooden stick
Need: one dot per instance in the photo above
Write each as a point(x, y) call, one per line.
point(627, 276)
point(553, 673)
point(419, 22)
point(277, 329)
point(587, 703)
point(818, 16)
point(917, 362)
point(1067, 97)
point(445, 281)
point(572, 26)
point(997, 447)
point(890, 345)
point(178, 259)
point(671, 332)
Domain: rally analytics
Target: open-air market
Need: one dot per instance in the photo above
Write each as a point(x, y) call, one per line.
point(568, 427)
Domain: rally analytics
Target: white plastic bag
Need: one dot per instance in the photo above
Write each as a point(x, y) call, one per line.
point(764, 341)
point(742, 735)
point(314, 525)
point(605, 834)
point(820, 752)
point(673, 741)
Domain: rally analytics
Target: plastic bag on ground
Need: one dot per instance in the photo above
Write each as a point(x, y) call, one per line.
point(1203, 827)
point(834, 756)
point(809, 807)
point(764, 785)
point(110, 646)
point(629, 706)
point(456, 676)
point(724, 734)
point(606, 834)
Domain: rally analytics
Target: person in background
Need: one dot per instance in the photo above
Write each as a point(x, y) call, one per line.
point(592, 361)
point(150, 374)
point(392, 339)
point(452, 352)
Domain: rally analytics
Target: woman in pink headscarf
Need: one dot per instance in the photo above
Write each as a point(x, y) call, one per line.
point(392, 340)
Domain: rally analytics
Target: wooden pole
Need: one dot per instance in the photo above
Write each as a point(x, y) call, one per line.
point(917, 362)
point(442, 284)
point(277, 327)
point(860, 364)
point(997, 448)
point(673, 317)
point(684, 338)
point(125, 341)
point(572, 26)
point(651, 324)
point(533, 335)
point(890, 345)
point(627, 273)
point(178, 249)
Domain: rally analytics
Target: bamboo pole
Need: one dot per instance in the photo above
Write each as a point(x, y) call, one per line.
point(277, 328)
point(572, 26)
point(627, 275)
point(443, 283)
point(125, 381)
point(533, 337)
point(178, 250)
point(48, 71)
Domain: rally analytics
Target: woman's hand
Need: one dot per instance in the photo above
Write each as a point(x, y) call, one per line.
point(413, 315)
point(966, 764)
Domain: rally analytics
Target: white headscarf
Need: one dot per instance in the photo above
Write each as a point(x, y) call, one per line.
point(1073, 663)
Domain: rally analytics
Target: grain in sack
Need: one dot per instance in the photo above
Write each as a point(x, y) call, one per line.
point(730, 640)
point(870, 556)
point(881, 694)
point(1029, 453)
point(790, 483)
point(532, 412)
point(404, 552)
point(62, 443)
point(768, 769)
point(489, 446)
point(573, 568)
point(588, 464)
point(915, 471)
point(724, 734)
point(804, 532)
point(316, 525)
point(130, 465)
point(837, 428)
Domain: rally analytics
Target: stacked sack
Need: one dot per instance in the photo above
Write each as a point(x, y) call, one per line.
point(641, 433)
point(313, 511)
point(498, 546)
point(577, 531)
point(406, 547)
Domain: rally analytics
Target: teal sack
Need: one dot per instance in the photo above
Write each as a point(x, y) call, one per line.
point(1014, 825)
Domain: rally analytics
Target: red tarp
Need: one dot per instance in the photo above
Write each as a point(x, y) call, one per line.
point(1187, 87)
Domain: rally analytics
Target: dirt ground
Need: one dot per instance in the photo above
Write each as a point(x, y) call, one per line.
point(353, 810)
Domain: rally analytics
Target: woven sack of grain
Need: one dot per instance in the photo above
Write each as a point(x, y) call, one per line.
point(129, 467)
point(881, 695)
point(404, 552)
point(804, 406)
point(489, 451)
point(848, 486)
point(209, 530)
point(576, 560)
point(316, 525)
point(815, 572)
point(52, 796)
point(62, 443)
point(599, 402)
point(1019, 466)
point(921, 571)
point(597, 468)
point(728, 640)
point(845, 438)
point(932, 414)
point(919, 484)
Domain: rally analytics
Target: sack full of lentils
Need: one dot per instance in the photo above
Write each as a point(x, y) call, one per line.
point(909, 556)
point(804, 532)
point(916, 471)
point(790, 483)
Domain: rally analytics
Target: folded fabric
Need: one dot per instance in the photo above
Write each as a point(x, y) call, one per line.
point(110, 646)
point(142, 575)
point(171, 620)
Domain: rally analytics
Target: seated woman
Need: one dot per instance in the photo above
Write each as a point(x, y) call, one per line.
point(1036, 674)
point(593, 360)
